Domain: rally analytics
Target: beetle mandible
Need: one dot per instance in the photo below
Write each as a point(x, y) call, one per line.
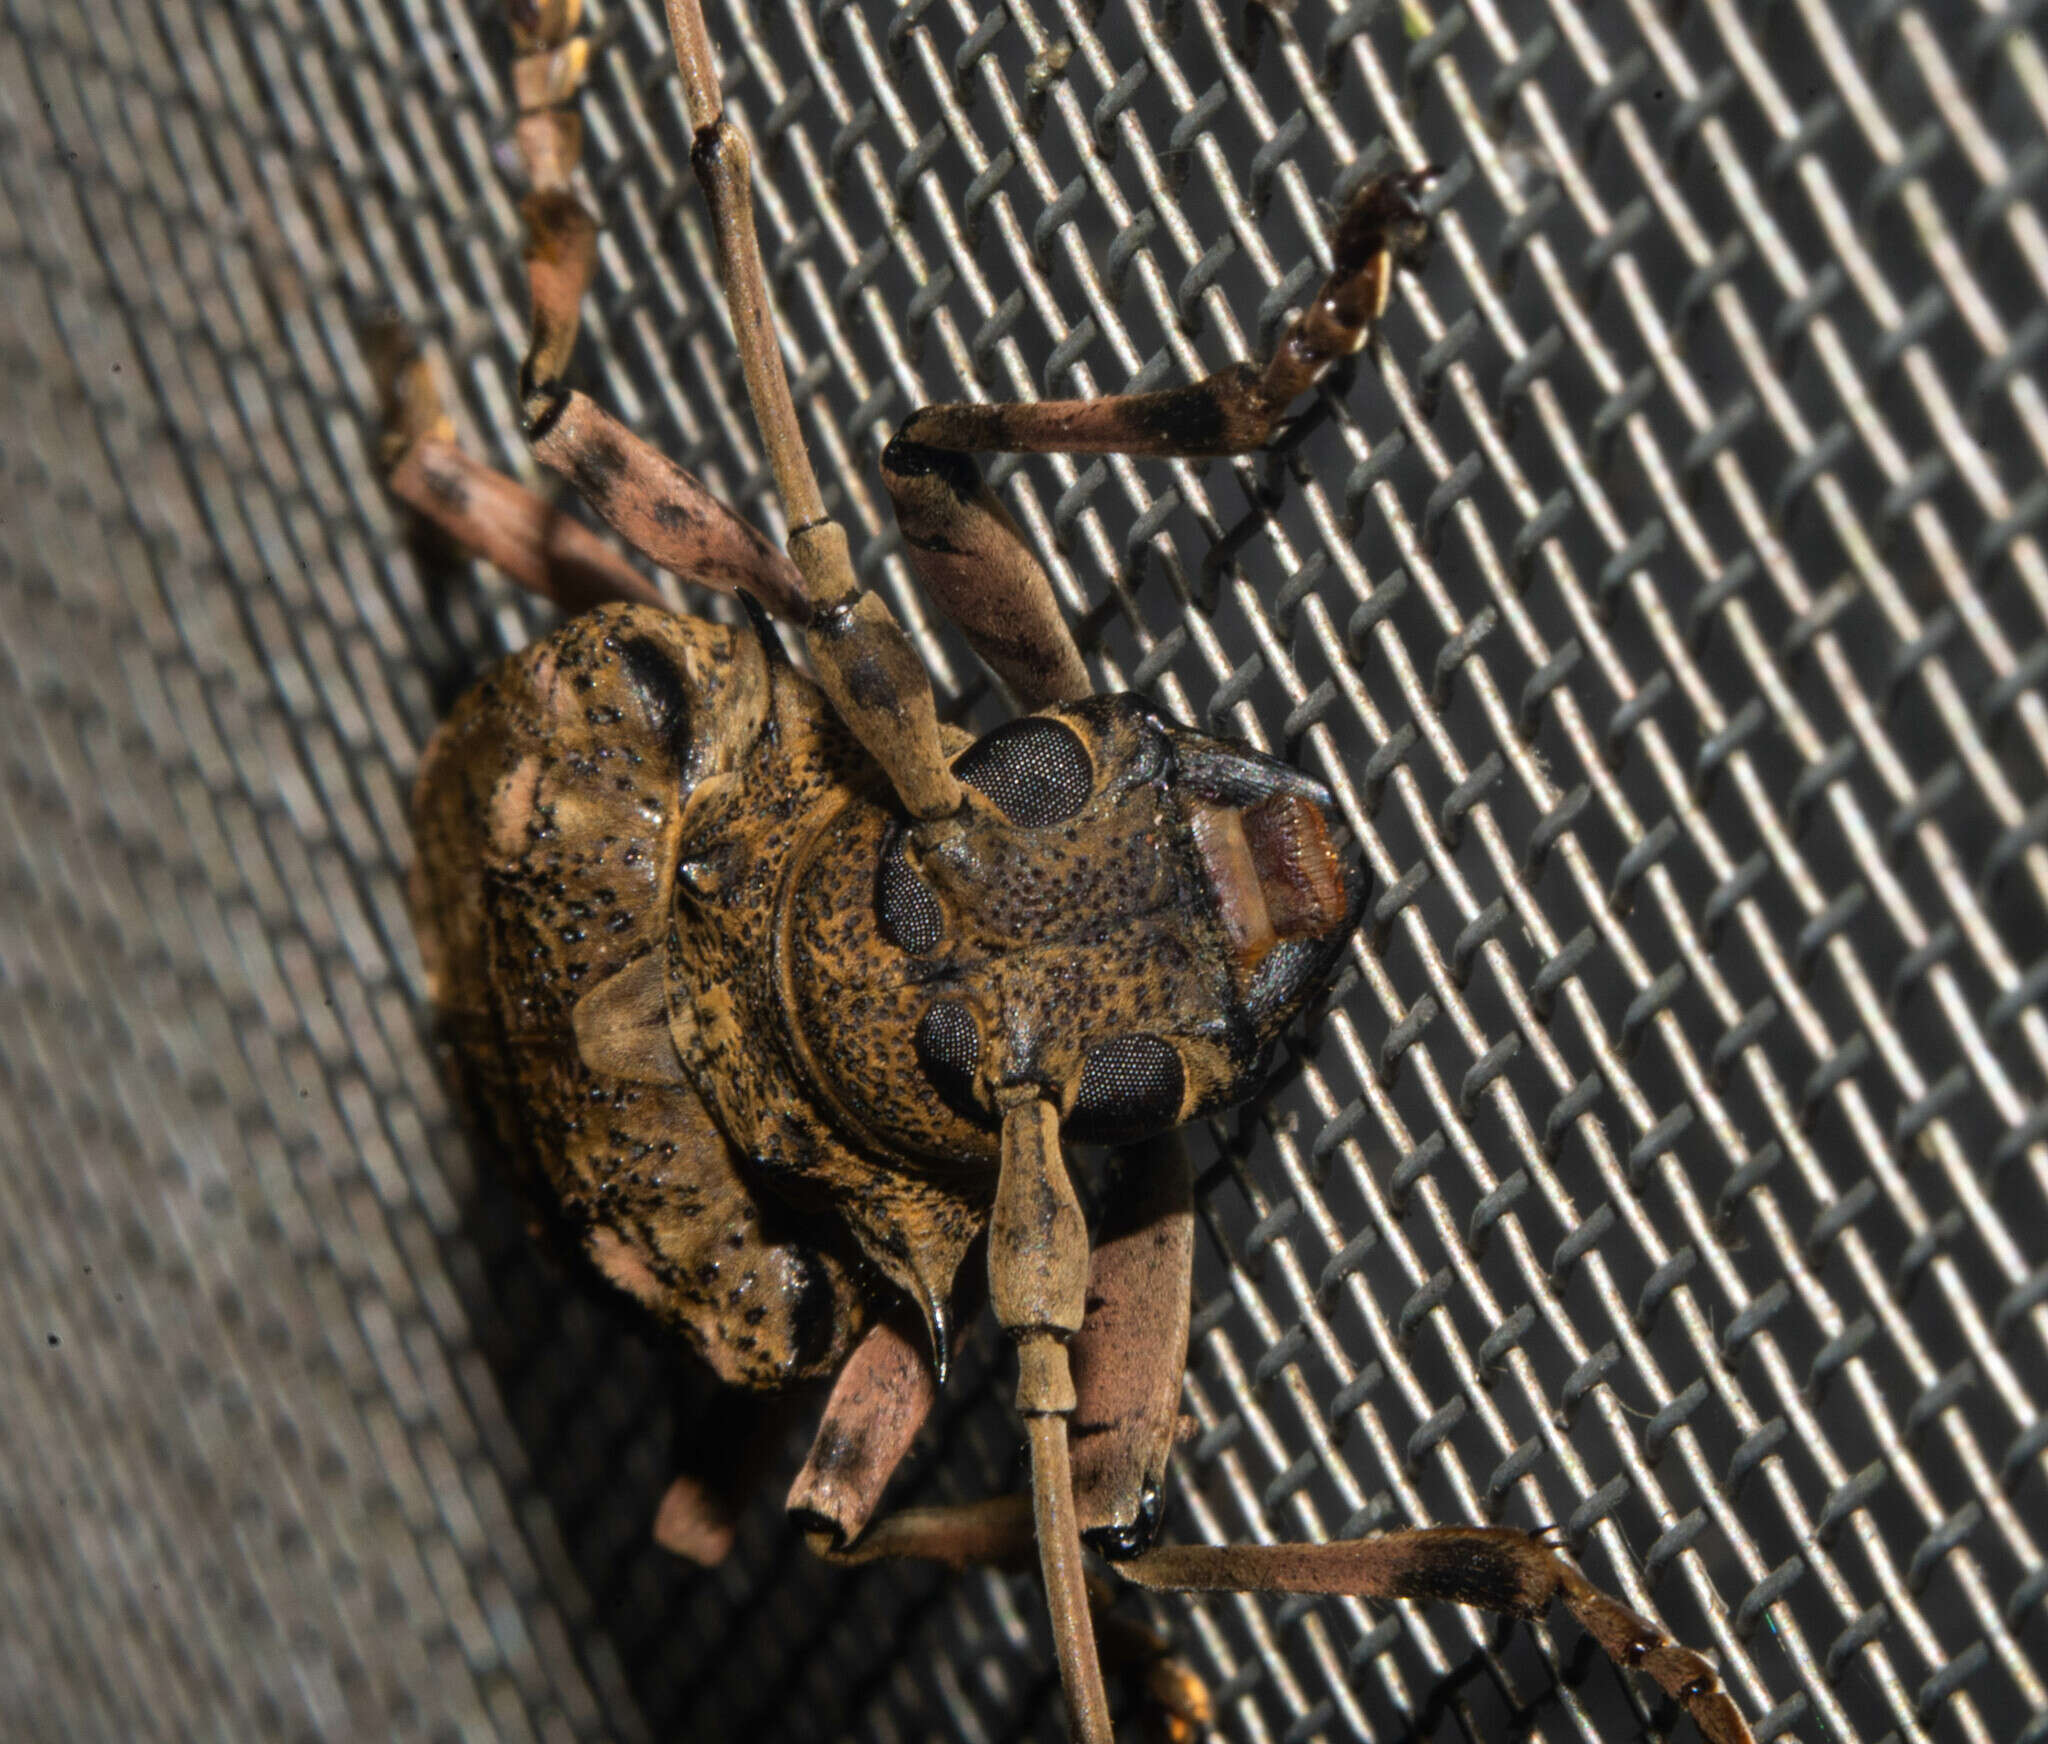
point(782, 995)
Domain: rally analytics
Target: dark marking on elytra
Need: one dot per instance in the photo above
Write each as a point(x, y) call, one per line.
point(662, 692)
point(763, 627)
point(813, 1315)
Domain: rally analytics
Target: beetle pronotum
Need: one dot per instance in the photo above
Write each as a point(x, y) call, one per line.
point(784, 996)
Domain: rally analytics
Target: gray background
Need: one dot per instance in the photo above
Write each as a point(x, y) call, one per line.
point(1666, 598)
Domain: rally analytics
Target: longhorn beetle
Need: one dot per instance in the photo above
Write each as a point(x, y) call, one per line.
point(782, 995)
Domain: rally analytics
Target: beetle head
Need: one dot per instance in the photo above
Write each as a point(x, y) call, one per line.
point(1124, 912)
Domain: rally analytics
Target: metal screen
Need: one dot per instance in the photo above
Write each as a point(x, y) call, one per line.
point(1666, 598)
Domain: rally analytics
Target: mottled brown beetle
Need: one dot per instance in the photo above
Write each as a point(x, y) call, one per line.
point(781, 995)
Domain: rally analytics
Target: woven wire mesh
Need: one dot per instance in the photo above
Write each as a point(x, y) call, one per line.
point(1665, 598)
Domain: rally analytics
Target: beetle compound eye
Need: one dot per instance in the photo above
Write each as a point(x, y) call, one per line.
point(1036, 771)
point(904, 904)
point(1130, 1088)
point(949, 1049)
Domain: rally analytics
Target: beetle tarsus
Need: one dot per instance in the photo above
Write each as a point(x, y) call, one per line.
point(1235, 410)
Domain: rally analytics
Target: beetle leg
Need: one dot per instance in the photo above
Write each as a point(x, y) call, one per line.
point(482, 510)
point(1127, 1363)
point(551, 59)
point(1493, 1568)
point(1129, 1358)
point(878, 1404)
point(971, 556)
point(974, 562)
point(864, 662)
point(658, 507)
point(995, 1533)
point(694, 1521)
point(1235, 410)
point(1131, 1351)
point(725, 1445)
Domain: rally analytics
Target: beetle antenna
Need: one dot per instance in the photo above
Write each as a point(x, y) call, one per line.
point(864, 661)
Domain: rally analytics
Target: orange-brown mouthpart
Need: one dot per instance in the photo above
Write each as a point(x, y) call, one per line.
point(1272, 870)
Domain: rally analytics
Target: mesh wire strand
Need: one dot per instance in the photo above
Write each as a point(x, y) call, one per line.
point(1665, 599)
